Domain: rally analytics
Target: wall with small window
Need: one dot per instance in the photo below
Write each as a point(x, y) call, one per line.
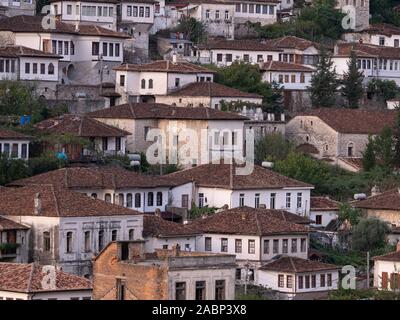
point(8, 68)
point(253, 11)
point(137, 12)
point(38, 69)
point(227, 57)
point(187, 244)
point(290, 245)
point(289, 80)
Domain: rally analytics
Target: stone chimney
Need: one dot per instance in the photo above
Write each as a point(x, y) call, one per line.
point(282, 117)
point(157, 212)
point(398, 246)
point(176, 250)
point(243, 216)
point(174, 58)
point(375, 190)
point(37, 204)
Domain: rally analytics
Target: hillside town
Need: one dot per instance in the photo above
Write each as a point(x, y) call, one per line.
point(199, 150)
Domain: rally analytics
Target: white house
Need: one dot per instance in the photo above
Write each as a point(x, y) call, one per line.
point(387, 271)
point(323, 210)
point(141, 11)
point(23, 281)
point(223, 52)
point(208, 94)
point(68, 228)
point(11, 8)
point(142, 82)
point(290, 75)
point(13, 144)
point(256, 11)
point(96, 12)
point(14, 240)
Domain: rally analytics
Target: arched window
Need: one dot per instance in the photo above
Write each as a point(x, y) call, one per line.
point(46, 241)
point(69, 242)
point(159, 199)
point(150, 199)
point(129, 200)
point(137, 200)
point(131, 234)
point(107, 198)
point(121, 199)
point(151, 84)
point(143, 84)
point(114, 235)
point(50, 69)
point(94, 195)
point(307, 138)
point(101, 240)
point(350, 149)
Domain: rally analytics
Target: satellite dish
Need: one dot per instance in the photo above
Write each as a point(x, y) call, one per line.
point(134, 163)
point(267, 164)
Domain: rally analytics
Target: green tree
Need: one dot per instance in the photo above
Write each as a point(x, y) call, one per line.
point(383, 146)
point(272, 147)
point(369, 234)
point(324, 83)
point(396, 139)
point(383, 89)
point(352, 88)
point(193, 28)
point(369, 160)
point(347, 212)
point(275, 100)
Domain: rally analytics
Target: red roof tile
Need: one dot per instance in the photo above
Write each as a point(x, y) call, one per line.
point(323, 204)
point(389, 200)
point(393, 256)
point(164, 66)
point(285, 66)
point(367, 50)
point(8, 134)
point(383, 28)
point(21, 51)
point(7, 224)
point(154, 226)
point(248, 45)
point(291, 42)
point(297, 265)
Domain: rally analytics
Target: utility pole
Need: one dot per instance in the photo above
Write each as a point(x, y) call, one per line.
point(367, 269)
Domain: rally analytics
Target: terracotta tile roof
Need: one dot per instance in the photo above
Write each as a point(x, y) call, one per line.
point(356, 163)
point(94, 1)
point(28, 278)
point(307, 148)
point(154, 226)
point(247, 221)
point(393, 256)
point(212, 89)
point(248, 45)
point(291, 42)
point(164, 66)
point(81, 126)
point(33, 24)
point(21, 51)
point(223, 176)
point(8, 134)
point(163, 111)
point(354, 120)
point(56, 202)
point(383, 28)
point(285, 66)
point(297, 265)
point(323, 204)
point(95, 178)
point(389, 200)
point(367, 51)
point(7, 224)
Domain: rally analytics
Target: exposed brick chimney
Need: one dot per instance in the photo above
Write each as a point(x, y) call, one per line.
point(176, 249)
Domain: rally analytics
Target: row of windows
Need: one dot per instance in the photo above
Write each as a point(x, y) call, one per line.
point(72, 298)
point(251, 245)
point(286, 78)
point(200, 290)
point(217, 14)
point(135, 11)
point(38, 67)
point(246, 57)
point(100, 11)
point(7, 65)
point(255, 8)
point(11, 150)
point(63, 48)
point(382, 64)
point(109, 49)
point(272, 200)
point(355, 2)
point(127, 201)
point(396, 42)
point(307, 282)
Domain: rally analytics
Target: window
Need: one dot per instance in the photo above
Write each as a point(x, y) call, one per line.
point(266, 246)
point(226, 15)
point(69, 9)
point(42, 68)
point(87, 241)
point(118, 143)
point(285, 246)
point(150, 199)
point(251, 8)
point(121, 199)
point(135, 11)
point(129, 198)
point(220, 290)
point(228, 57)
point(147, 12)
point(289, 281)
point(14, 150)
point(34, 68)
point(241, 200)
point(381, 41)
point(207, 14)
point(350, 150)
point(257, 200)
point(129, 11)
point(318, 219)
point(27, 68)
point(258, 8)
point(111, 49)
point(95, 48)
point(150, 83)
point(141, 12)
point(238, 245)
point(185, 201)
point(117, 49)
point(313, 281)
point(207, 244)
point(104, 143)
point(329, 279)
point(322, 280)
point(272, 201)
point(396, 43)
point(72, 47)
point(101, 240)
point(303, 244)
point(238, 274)
point(251, 246)
point(24, 151)
point(69, 242)
point(275, 246)
point(265, 9)
point(110, 11)
point(219, 57)
point(114, 235)
point(137, 200)
point(294, 245)
point(301, 284)
point(307, 282)
point(224, 245)
point(159, 199)
point(201, 200)
point(120, 289)
point(46, 241)
point(281, 280)
point(286, 78)
point(260, 58)
point(299, 199)
point(177, 81)
point(105, 49)
point(94, 195)
point(293, 78)
point(244, 7)
point(180, 291)
point(217, 14)
point(200, 290)
point(237, 7)
point(288, 199)
point(302, 78)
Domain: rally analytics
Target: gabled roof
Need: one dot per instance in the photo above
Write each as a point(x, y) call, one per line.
point(56, 202)
point(383, 28)
point(164, 66)
point(33, 24)
point(8, 134)
point(247, 221)
point(355, 121)
point(212, 89)
point(28, 278)
point(94, 178)
point(285, 66)
point(323, 204)
point(93, 1)
point(366, 51)
point(393, 256)
point(163, 111)
point(242, 45)
point(223, 176)
point(291, 42)
point(297, 265)
point(389, 200)
point(21, 51)
point(7, 224)
point(81, 126)
point(154, 226)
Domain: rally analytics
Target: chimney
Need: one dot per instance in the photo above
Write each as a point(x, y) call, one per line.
point(174, 58)
point(176, 249)
point(398, 246)
point(282, 117)
point(157, 212)
point(243, 216)
point(263, 206)
point(37, 204)
point(375, 190)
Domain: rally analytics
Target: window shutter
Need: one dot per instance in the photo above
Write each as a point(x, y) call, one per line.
point(384, 280)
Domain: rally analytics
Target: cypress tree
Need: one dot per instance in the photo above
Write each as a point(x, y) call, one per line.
point(352, 88)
